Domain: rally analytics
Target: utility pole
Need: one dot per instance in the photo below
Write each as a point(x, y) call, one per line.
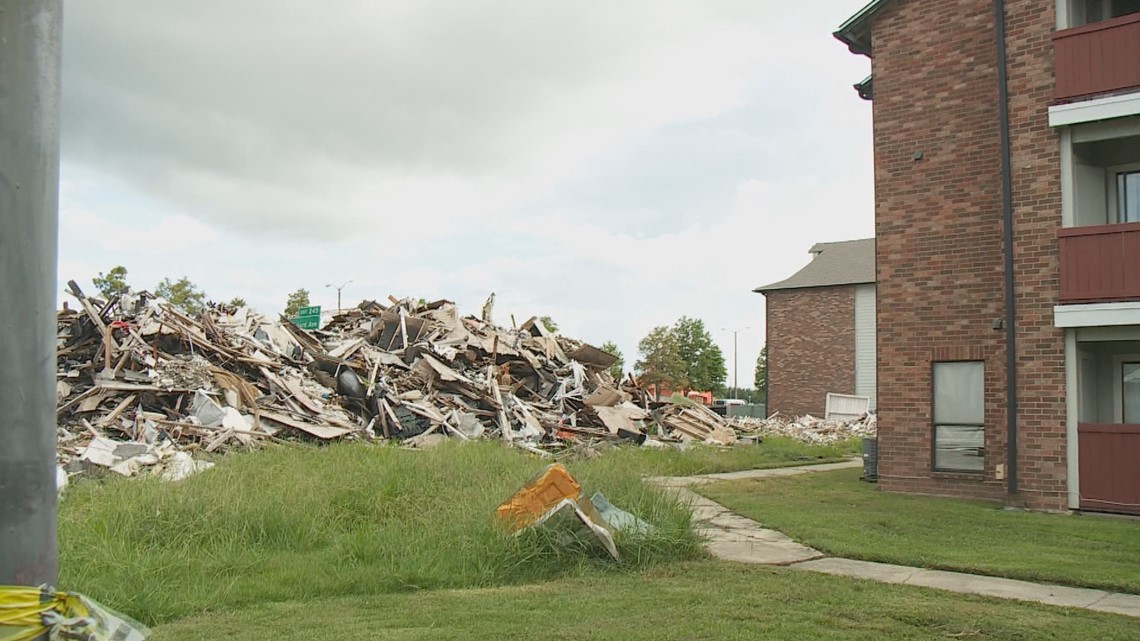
point(342, 286)
point(30, 33)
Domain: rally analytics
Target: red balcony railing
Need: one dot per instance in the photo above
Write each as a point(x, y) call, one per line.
point(1110, 479)
point(1100, 263)
point(1098, 57)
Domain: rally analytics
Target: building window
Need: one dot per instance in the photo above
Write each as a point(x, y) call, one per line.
point(959, 409)
point(1089, 11)
point(1130, 373)
point(1128, 197)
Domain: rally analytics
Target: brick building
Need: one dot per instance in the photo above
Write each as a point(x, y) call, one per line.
point(820, 329)
point(1051, 145)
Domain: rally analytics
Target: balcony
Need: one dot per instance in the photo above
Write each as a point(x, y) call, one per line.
point(1100, 263)
point(1110, 480)
point(1097, 58)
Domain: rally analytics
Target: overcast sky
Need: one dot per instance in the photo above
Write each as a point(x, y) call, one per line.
point(615, 164)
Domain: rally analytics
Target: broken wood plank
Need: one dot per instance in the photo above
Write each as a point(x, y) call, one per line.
point(319, 431)
point(118, 410)
point(347, 349)
point(504, 425)
point(82, 397)
point(90, 310)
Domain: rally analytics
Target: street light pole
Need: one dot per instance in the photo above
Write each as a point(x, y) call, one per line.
point(338, 292)
point(30, 34)
point(735, 368)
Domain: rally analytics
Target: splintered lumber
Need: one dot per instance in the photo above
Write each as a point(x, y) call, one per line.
point(504, 425)
point(89, 309)
point(81, 398)
point(113, 414)
point(313, 429)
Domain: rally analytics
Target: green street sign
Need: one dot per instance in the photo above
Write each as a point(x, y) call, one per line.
point(308, 317)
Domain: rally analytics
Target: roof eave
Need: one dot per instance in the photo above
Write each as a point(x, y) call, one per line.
point(857, 43)
point(856, 32)
point(778, 287)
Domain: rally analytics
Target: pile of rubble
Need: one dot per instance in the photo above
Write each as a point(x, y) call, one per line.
point(141, 384)
point(807, 428)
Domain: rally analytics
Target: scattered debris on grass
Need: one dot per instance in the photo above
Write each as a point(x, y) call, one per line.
point(144, 386)
point(553, 498)
point(41, 613)
point(806, 428)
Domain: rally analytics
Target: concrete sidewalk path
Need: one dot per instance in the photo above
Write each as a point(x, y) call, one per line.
point(733, 537)
point(701, 479)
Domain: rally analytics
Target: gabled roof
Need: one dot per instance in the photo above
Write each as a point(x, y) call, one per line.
point(850, 262)
point(856, 32)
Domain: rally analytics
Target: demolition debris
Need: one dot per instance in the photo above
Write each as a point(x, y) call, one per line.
point(807, 428)
point(143, 385)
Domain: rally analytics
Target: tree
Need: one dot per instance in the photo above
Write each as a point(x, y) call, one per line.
point(703, 361)
point(182, 293)
point(615, 370)
point(236, 302)
point(112, 282)
point(660, 363)
point(760, 382)
point(296, 301)
point(549, 324)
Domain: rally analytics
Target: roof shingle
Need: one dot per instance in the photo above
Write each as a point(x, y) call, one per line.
point(850, 262)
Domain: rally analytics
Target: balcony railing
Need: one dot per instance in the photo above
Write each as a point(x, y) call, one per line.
point(1097, 58)
point(1110, 480)
point(1100, 263)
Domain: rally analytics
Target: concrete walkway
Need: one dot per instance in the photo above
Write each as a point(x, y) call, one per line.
point(733, 537)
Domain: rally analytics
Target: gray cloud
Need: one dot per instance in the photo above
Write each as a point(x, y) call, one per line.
point(200, 102)
point(300, 118)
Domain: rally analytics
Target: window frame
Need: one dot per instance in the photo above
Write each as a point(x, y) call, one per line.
point(1079, 12)
point(1112, 176)
point(934, 424)
point(1117, 383)
point(1123, 396)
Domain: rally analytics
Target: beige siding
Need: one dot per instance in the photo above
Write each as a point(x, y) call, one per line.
point(865, 342)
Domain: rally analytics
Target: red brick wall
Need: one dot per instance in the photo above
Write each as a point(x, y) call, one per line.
point(939, 230)
point(1035, 152)
point(811, 347)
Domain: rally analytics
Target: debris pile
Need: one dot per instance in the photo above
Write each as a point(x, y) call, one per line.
point(806, 428)
point(144, 385)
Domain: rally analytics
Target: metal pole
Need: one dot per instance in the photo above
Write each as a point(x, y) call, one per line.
point(735, 370)
point(30, 32)
point(342, 286)
point(1007, 246)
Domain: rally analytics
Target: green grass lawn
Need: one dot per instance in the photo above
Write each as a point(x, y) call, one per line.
point(774, 451)
point(299, 522)
point(836, 513)
point(290, 523)
point(693, 601)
